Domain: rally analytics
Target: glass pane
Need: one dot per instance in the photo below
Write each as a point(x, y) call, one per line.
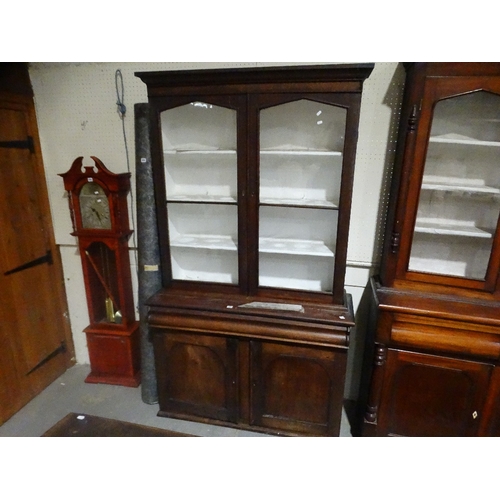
point(300, 171)
point(199, 151)
point(460, 197)
point(296, 248)
point(102, 274)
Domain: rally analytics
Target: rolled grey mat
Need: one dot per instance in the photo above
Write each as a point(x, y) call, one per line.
point(148, 252)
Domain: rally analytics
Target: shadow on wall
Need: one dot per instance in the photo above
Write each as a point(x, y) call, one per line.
point(392, 99)
point(359, 360)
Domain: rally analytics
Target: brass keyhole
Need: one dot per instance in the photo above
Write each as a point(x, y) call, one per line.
point(474, 415)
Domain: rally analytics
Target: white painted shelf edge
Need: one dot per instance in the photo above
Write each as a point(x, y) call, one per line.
point(204, 242)
point(284, 152)
point(205, 198)
point(294, 247)
point(207, 151)
point(230, 200)
point(266, 245)
point(452, 229)
point(462, 139)
point(302, 202)
point(459, 188)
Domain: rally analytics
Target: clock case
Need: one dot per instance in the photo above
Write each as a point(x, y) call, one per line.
point(113, 332)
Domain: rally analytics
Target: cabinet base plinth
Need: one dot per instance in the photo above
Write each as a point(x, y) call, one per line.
point(96, 378)
point(239, 425)
point(114, 355)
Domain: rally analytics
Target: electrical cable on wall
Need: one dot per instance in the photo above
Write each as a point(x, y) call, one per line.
point(122, 110)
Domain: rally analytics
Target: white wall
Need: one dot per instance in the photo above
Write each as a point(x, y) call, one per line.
point(77, 116)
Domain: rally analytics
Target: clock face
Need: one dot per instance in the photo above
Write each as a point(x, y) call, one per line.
point(94, 207)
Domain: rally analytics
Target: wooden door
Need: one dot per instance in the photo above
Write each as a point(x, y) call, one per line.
point(297, 389)
point(426, 395)
point(197, 375)
point(35, 338)
point(490, 421)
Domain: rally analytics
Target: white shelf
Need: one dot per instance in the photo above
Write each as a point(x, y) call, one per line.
point(204, 242)
point(207, 151)
point(462, 139)
point(201, 199)
point(299, 202)
point(311, 285)
point(451, 228)
point(459, 186)
point(437, 266)
point(294, 247)
point(299, 152)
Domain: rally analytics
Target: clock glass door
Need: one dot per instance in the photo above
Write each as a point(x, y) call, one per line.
point(459, 204)
point(102, 275)
point(301, 158)
point(200, 165)
point(94, 207)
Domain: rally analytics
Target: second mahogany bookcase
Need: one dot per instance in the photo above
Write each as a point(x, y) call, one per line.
point(432, 362)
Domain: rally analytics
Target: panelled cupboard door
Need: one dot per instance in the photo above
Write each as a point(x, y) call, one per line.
point(427, 396)
point(297, 389)
point(196, 375)
point(35, 340)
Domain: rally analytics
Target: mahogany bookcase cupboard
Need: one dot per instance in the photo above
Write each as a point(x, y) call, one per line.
point(434, 344)
point(253, 172)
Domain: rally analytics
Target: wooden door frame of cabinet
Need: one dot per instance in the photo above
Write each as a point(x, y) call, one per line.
point(435, 90)
point(426, 79)
point(156, 107)
point(351, 104)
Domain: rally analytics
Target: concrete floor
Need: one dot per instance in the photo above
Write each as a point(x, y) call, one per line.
point(69, 393)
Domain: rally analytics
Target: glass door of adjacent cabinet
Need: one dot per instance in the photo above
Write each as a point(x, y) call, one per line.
point(301, 157)
point(200, 166)
point(459, 203)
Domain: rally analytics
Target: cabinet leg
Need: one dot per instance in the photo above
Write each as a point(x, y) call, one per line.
point(370, 419)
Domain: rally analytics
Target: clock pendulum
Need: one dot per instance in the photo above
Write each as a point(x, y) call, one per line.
point(99, 212)
point(112, 309)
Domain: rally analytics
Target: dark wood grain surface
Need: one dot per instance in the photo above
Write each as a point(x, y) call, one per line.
point(73, 425)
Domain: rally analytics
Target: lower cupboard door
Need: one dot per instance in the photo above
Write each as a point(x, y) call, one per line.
point(196, 375)
point(297, 389)
point(425, 395)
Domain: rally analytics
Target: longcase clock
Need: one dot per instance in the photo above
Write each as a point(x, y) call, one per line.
point(99, 212)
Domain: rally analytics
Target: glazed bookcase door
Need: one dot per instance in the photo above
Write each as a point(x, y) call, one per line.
point(199, 185)
point(304, 166)
point(455, 238)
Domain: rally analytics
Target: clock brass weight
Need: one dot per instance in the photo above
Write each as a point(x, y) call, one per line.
point(99, 212)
